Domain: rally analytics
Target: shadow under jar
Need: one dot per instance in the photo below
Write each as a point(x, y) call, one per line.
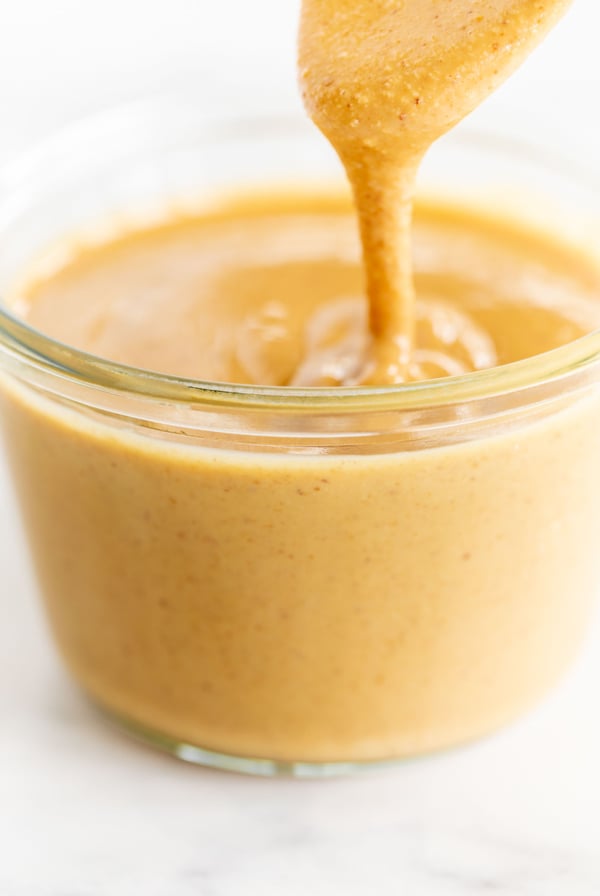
point(277, 580)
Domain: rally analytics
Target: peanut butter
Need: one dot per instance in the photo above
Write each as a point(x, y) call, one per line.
point(383, 80)
point(264, 594)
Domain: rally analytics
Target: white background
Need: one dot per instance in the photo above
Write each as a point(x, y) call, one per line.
point(63, 58)
point(85, 813)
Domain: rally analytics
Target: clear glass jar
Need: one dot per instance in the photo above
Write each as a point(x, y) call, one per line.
point(277, 580)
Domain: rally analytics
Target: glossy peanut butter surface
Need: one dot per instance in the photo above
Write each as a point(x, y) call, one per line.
point(270, 290)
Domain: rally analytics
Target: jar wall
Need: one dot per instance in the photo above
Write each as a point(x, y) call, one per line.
point(305, 608)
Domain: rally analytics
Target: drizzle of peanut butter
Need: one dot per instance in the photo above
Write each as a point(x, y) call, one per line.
point(383, 79)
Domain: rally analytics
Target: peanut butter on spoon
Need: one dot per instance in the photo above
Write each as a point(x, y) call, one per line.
point(383, 79)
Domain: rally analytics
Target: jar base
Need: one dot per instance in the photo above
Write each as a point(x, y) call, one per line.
point(244, 765)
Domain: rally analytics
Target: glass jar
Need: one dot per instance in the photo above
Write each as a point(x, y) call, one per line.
point(283, 580)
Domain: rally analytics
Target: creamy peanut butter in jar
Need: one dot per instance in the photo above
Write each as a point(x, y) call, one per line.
point(287, 515)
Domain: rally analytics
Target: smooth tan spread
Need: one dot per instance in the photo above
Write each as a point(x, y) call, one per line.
point(264, 597)
point(321, 608)
point(268, 289)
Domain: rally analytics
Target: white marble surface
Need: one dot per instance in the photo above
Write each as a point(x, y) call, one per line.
point(84, 812)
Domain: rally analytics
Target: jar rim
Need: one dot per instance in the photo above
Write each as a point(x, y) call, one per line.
point(33, 347)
